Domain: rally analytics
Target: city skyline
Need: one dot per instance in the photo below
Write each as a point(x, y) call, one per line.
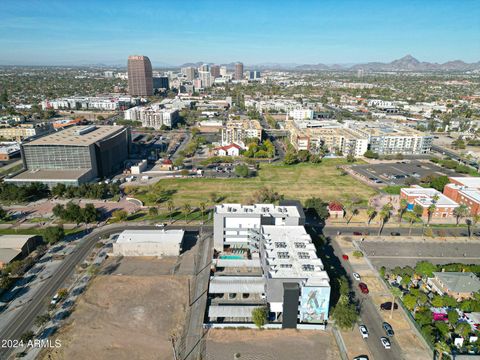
point(172, 34)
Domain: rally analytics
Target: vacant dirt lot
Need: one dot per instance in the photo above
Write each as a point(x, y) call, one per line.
point(271, 345)
point(128, 312)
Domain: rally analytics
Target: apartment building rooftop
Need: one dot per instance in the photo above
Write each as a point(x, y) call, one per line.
point(259, 209)
point(290, 254)
point(78, 135)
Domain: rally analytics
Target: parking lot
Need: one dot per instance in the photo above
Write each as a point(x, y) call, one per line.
point(397, 173)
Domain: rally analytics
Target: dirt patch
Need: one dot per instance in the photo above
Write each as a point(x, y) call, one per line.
point(271, 344)
point(125, 317)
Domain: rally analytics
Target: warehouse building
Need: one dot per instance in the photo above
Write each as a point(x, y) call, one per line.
point(149, 243)
point(74, 156)
point(267, 259)
point(16, 247)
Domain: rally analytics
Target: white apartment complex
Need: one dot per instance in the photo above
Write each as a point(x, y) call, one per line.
point(107, 103)
point(152, 116)
point(265, 258)
point(237, 131)
point(355, 138)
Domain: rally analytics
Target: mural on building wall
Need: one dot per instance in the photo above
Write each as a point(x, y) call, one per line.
point(314, 304)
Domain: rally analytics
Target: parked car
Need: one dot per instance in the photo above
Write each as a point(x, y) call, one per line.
point(160, 225)
point(356, 276)
point(388, 329)
point(363, 288)
point(345, 257)
point(395, 233)
point(361, 357)
point(55, 299)
point(385, 342)
point(388, 306)
point(364, 331)
point(357, 233)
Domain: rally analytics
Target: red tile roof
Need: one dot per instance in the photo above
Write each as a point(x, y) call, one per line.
point(226, 147)
point(335, 206)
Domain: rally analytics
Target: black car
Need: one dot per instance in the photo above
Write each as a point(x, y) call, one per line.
point(388, 329)
point(388, 306)
point(395, 233)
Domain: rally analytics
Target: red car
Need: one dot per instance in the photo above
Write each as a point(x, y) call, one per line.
point(358, 233)
point(345, 257)
point(363, 288)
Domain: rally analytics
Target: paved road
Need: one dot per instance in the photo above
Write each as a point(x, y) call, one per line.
point(404, 230)
point(370, 318)
point(392, 253)
point(26, 317)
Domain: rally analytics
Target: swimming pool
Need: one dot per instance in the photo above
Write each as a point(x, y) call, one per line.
point(231, 257)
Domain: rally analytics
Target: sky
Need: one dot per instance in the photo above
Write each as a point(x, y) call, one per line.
point(76, 32)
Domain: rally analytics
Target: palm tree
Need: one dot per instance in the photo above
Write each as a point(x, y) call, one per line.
point(475, 220)
point(371, 213)
point(203, 207)
point(431, 210)
point(384, 215)
point(441, 347)
point(461, 211)
point(403, 208)
point(170, 208)
point(411, 218)
point(396, 293)
point(187, 208)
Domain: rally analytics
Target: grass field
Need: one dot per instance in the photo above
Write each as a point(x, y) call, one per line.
point(300, 182)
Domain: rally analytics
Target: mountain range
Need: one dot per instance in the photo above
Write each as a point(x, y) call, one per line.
point(406, 63)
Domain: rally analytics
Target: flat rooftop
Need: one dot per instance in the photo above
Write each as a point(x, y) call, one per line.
point(471, 182)
point(424, 196)
point(151, 236)
point(77, 135)
point(48, 175)
point(14, 241)
point(260, 209)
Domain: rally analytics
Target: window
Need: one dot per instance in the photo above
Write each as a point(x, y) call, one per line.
point(300, 245)
point(280, 245)
point(303, 255)
point(283, 255)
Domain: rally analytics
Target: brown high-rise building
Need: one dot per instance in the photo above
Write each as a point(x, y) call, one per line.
point(238, 71)
point(215, 71)
point(140, 79)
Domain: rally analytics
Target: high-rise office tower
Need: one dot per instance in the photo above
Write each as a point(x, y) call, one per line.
point(189, 72)
point(253, 75)
point(140, 79)
point(204, 67)
point(238, 71)
point(215, 71)
point(223, 71)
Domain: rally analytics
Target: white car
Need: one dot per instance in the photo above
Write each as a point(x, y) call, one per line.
point(55, 299)
point(385, 342)
point(356, 276)
point(160, 225)
point(364, 331)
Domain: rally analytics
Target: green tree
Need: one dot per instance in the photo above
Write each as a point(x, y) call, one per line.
point(371, 213)
point(153, 211)
point(260, 316)
point(371, 155)
point(461, 211)
point(170, 208)
point(319, 206)
point(410, 301)
point(187, 208)
point(439, 182)
point(345, 315)
point(437, 301)
point(290, 158)
point(27, 336)
point(178, 162)
point(90, 213)
point(463, 329)
point(384, 215)
point(41, 320)
point(425, 268)
point(203, 207)
point(411, 217)
point(121, 215)
point(442, 348)
point(53, 234)
point(242, 170)
point(396, 293)
point(452, 317)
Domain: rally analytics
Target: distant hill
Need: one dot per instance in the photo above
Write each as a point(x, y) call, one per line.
point(406, 63)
